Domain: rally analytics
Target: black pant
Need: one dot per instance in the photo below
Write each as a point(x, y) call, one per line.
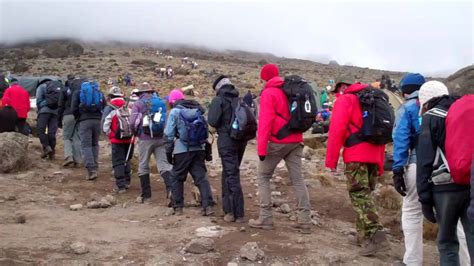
point(21, 126)
point(231, 153)
point(190, 162)
point(451, 206)
point(49, 121)
point(121, 164)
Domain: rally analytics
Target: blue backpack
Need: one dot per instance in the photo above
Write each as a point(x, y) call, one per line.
point(91, 99)
point(195, 131)
point(154, 119)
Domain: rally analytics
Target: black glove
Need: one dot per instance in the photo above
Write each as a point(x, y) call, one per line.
point(169, 157)
point(428, 212)
point(399, 182)
point(262, 158)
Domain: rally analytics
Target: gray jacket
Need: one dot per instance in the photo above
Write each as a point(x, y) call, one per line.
point(41, 103)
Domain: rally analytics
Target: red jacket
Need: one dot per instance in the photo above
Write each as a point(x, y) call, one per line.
point(111, 123)
point(273, 115)
point(18, 98)
point(347, 113)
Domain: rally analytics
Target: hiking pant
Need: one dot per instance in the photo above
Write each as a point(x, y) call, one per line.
point(49, 122)
point(155, 147)
point(89, 132)
point(451, 206)
point(190, 162)
point(21, 126)
point(360, 183)
point(72, 143)
point(412, 224)
point(121, 164)
point(231, 153)
point(292, 154)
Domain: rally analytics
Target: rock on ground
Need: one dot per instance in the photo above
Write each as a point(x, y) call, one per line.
point(79, 248)
point(200, 246)
point(13, 151)
point(75, 207)
point(285, 208)
point(252, 252)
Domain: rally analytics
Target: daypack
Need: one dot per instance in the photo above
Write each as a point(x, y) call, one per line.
point(377, 118)
point(90, 97)
point(155, 117)
point(124, 129)
point(195, 131)
point(302, 104)
point(52, 94)
point(243, 122)
point(459, 145)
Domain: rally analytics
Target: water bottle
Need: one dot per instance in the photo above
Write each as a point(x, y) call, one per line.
point(235, 125)
point(293, 106)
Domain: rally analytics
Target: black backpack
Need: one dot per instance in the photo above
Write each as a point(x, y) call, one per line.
point(302, 104)
point(243, 122)
point(53, 93)
point(377, 118)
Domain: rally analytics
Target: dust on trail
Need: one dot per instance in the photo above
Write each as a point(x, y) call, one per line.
point(131, 233)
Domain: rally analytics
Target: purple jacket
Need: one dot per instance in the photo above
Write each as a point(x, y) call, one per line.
point(138, 110)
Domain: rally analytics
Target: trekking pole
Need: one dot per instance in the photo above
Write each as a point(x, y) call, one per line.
point(129, 149)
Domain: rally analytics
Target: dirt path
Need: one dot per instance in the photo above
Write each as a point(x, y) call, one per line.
point(131, 233)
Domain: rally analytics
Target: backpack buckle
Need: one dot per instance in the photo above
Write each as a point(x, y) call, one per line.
point(307, 106)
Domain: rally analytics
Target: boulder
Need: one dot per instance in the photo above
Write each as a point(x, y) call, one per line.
point(200, 246)
point(252, 252)
point(79, 248)
point(13, 151)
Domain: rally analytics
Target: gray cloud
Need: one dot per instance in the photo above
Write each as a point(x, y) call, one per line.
point(425, 37)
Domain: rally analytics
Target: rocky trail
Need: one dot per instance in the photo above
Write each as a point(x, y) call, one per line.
point(38, 225)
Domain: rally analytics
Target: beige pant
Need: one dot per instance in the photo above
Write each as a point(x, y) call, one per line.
point(292, 154)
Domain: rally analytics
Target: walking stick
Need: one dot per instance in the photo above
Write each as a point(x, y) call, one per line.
point(129, 149)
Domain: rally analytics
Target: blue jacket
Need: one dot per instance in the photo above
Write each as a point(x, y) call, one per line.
point(176, 124)
point(405, 132)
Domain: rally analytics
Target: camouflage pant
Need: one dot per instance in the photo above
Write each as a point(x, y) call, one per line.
point(360, 183)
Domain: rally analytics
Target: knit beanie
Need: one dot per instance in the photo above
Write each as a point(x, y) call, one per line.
point(430, 90)
point(411, 82)
point(269, 71)
point(175, 95)
point(221, 81)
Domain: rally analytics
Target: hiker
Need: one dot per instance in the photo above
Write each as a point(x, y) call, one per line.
point(443, 187)
point(148, 121)
point(231, 149)
point(128, 80)
point(248, 99)
point(342, 83)
point(117, 126)
point(114, 92)
point(67, 121)
point(405, 137)
point(4, 84)
point(48, 97)
point(19, 99)
point(87, 105)
point(169, 72)
point(324, 95)
point(271, 150)
point(363, 162)
point(186, 133)
point(9, 117)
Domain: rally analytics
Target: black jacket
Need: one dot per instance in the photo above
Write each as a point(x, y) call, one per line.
point(433, 134)
point(8, 118)
point(221, 111)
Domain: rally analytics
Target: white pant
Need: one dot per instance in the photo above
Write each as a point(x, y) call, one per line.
point(412, 225)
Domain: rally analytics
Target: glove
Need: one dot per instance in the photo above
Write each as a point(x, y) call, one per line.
point(428, 213)
point(169, 157)
point(60, 124)
point(262, 158)
point(399, 182)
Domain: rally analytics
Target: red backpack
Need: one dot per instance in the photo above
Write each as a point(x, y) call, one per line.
point(459, 144)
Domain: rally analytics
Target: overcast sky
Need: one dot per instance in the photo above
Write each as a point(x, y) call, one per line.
point(427, 37)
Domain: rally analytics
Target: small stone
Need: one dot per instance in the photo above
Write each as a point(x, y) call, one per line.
point(104, 203)
point(75, 207)
point(232, 264)
point(93, 205)
point(277, 179)
point(124, 205)
point(242, 229)
point(249, 195)
point(276, 193)
point(252, 252)
point(20, 218)
point(300, 240)
point(79, 248)
point(285, 208)
point(111, 199)
point(169, 212)
point(200, 245)
point(292, 218)
point(11, 198)
point(277, 202)
point(58, 173)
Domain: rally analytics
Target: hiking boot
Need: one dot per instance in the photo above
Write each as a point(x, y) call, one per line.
point(303, 228)
point(261, 223)
point(229, 218)
point(378, 242)
point(68, 162)
point(240, 220)
point(92, 175)
point(119, 190)
point(208, 211)
point(143, 200)
point(178, 211)
point(52, 154)
point(46, 152)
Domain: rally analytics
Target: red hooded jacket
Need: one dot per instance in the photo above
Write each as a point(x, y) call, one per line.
point(347, 113)
point(18, 98)
point(111, 123)
point(273, 115)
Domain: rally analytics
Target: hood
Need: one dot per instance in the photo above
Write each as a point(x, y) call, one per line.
point(228, 91)
point(414, 95)
point(117, 102)
point(356, 87)
point(275, 82)
point(190, 104)
point(443, 102)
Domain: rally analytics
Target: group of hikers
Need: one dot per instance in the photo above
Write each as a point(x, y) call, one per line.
point(432, 152)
